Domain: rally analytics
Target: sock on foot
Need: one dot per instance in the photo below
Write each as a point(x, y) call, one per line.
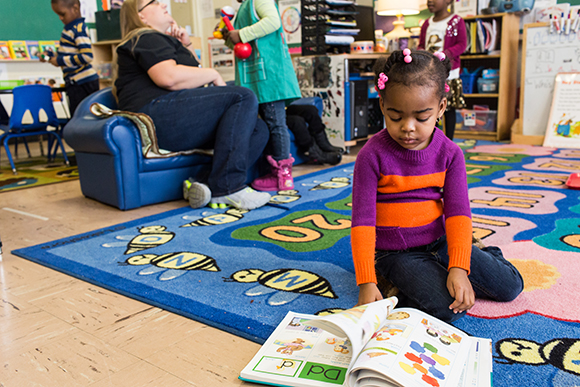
point(198, 194)
point(244, 199)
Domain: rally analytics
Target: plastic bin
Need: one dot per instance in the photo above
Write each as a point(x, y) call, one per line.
point(469, 79)
point(487, 86)
point(476, 120)
point(10, 84)
point(490, 73)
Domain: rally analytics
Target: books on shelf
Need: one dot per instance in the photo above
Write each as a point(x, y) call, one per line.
point(18, 50)
point(48, 47)
point(370, 345)
point(4, 51)
point(26, 49)
point(482, 37)
point(32, 46)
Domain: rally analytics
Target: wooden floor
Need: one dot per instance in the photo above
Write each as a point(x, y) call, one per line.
point(56, 330)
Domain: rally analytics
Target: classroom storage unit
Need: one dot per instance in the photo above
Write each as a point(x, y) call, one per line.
point(328, 26)
point(504, 59)
point(103, 59)
point(345, 82)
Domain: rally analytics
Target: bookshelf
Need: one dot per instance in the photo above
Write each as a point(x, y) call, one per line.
point(103, 54)
point(504, 102)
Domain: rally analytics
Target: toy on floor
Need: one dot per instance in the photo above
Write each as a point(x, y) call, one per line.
point(573, 181)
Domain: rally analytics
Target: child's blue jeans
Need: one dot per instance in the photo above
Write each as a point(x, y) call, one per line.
point(274, 113)
point(420, 273)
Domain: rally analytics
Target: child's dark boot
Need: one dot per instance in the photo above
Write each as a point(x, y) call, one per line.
point(318, 156)
point(324, 144)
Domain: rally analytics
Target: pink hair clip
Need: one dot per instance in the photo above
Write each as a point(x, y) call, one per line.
point(407, 54)
point(382, 80)
point(447, 88)
point(440, 55)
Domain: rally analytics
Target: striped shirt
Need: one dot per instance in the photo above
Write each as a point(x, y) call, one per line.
point(269, 22)
point(405, 198)
point(75, 53)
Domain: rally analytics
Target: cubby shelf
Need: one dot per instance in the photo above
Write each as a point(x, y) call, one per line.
point(505, 100)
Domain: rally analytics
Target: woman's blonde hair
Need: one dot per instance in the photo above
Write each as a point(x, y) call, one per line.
point(131, 27)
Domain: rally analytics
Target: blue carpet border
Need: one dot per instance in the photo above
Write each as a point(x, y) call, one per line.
point(39, 254)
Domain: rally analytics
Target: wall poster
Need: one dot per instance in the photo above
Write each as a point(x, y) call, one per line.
point(563, 129)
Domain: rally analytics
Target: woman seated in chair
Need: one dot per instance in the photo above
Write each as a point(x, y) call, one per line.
point(157, 73)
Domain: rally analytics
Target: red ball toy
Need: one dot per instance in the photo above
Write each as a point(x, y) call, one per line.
point(242, 50)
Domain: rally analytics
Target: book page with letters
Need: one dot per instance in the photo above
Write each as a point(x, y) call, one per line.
point(300, 355)
point(371, 345)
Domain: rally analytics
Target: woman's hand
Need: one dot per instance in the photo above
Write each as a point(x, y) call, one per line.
point(180, 34)
point(368, 293)
point(460, 288)
point(219, 81)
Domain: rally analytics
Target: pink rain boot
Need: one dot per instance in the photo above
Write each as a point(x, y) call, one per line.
point(279, 179)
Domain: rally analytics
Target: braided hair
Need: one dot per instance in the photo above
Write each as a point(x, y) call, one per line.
point(425, 69)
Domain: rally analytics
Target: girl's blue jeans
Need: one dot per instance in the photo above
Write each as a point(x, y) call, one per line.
point(274, 113)
point(420, 273)
point(224, 119)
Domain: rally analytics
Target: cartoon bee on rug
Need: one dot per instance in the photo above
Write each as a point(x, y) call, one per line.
point(563, 354)
point(286, 284)
point(285, 196)
point(231, 215)
point(151, 236)
point(172, 264)
point(334, 183)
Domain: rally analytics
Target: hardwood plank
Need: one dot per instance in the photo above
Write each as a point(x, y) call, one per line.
point(142, 374)
point(74, 360)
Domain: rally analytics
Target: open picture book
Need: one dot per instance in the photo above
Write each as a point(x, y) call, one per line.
point(370, 345)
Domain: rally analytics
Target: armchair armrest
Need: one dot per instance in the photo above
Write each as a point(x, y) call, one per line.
point(95, 135)
point(315, 101)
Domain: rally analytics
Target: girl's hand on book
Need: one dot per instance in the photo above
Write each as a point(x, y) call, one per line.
point(460, 288)
point(368, 293)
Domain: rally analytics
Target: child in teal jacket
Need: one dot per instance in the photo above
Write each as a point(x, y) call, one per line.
point(269, 73)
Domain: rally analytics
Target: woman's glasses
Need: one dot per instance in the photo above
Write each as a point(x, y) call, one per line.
point(156, 2)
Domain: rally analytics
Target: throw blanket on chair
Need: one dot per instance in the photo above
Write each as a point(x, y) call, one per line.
point(144, 123)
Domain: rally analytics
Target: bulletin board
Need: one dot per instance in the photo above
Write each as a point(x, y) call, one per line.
point(544, 55)
point(29, 20)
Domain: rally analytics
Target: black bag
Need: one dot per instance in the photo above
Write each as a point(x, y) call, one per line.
point(108, 25)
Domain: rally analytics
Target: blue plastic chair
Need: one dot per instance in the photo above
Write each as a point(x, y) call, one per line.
point(27, 119)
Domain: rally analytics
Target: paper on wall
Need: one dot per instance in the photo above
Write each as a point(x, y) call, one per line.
point(206, 9)
point(88, 9)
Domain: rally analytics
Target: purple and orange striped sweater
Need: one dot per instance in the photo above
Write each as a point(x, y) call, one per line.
point(405, 198)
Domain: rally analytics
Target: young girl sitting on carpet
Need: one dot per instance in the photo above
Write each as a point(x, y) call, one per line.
point(411, 219)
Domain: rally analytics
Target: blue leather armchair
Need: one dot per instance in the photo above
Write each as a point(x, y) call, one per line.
point(111, 165)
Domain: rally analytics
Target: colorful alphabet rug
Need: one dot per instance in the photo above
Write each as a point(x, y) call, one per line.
point(36, 171)
point(242, 271)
